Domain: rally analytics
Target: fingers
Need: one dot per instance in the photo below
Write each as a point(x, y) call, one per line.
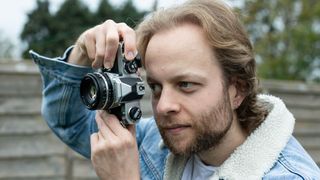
point(104, 131)
point(129, 37)
point(114, 158)
point(100, 47)
point(112, 42)
point(100, 43)
point(87, 44)
point(110, 126)
point(112, 123)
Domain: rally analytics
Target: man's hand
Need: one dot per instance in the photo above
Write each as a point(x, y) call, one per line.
point(98, 46)
point(114, 151)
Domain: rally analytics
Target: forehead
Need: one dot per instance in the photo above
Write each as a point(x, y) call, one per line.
point(181, 49)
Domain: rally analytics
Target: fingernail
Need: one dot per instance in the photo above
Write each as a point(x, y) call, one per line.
point(107, 65)
point(131, 55)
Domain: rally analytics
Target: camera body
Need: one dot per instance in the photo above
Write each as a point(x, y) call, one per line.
point(117, 90)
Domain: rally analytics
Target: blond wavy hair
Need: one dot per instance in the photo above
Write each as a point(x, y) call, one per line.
point(229, 42)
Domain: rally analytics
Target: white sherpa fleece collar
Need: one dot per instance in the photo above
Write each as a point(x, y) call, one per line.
point(257, 154)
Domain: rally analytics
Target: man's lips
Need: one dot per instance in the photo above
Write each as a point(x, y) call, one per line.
point(174, 129)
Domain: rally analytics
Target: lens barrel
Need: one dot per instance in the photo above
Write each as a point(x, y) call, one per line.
point(96, 91)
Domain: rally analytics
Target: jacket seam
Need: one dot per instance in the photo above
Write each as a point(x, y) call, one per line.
point(149, 163)
point(64, 100)
point(286, 164)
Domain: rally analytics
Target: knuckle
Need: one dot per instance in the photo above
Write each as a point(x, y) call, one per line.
point(125, 143)
point(128, 30)
point(128, 143)
point(112, 39)
point(125, 28)
point(122, 25)
point(109, 22)
point(114, 146)
point(96, 150)
point(89, 34)
point(99, 28)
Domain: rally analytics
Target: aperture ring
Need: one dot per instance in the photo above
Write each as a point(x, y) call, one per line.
point(109, 90)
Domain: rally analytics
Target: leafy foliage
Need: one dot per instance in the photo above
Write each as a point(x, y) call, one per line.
point(285, 33)
point(37, 31)
point(51, 33)
point(129, 15)
point(286, 37)
point(105, 11)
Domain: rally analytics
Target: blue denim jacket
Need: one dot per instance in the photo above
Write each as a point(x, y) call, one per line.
point(73, 123)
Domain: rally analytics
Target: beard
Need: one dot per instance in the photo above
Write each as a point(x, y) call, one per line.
point(209, 129)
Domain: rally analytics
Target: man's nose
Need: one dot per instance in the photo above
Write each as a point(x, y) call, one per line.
point(168, 103)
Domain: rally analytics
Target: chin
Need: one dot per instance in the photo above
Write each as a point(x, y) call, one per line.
point(181, 147)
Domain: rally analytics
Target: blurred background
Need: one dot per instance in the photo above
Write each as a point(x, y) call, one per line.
point(285, 35)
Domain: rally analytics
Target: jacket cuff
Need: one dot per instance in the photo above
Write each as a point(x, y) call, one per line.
point(58, 67)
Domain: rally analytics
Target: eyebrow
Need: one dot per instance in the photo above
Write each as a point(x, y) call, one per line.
point(180, 77)
point(189, 76)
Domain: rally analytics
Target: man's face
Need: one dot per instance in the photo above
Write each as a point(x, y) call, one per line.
point(190, 102)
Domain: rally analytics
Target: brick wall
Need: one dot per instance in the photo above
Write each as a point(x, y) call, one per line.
point(29, 150)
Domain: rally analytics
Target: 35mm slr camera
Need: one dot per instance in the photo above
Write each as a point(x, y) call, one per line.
point(117, 90)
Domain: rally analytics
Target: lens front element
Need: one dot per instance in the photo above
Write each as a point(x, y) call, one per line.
point(96, 91)
point(93, 93)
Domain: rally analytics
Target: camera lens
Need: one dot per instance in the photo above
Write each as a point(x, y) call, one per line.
point(96, 91)
point(93, 93)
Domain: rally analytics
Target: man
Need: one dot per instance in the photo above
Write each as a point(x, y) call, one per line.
point(209, 121)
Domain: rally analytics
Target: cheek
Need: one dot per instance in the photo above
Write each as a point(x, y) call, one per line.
point(203, 101)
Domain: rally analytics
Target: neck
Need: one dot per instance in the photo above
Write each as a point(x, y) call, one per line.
point(234, 138)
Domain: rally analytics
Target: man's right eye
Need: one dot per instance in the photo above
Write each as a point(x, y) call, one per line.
point(155, 88)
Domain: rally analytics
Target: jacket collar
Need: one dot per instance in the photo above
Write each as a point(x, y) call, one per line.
point(257, 154)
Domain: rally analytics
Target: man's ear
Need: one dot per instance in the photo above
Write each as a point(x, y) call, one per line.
point(236, 93)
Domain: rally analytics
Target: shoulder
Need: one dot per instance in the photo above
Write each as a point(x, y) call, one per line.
point(146, 125)
point(152, 154)
point(294, 163)
point(147, 130)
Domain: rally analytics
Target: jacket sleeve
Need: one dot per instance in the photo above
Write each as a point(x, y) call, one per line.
point(62, 107)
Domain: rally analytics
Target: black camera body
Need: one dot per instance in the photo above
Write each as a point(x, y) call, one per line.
point(117, 90)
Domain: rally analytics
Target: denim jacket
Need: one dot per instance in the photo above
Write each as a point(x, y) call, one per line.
point(270, 151)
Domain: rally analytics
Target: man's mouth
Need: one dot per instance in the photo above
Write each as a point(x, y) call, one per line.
point(176, 129)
